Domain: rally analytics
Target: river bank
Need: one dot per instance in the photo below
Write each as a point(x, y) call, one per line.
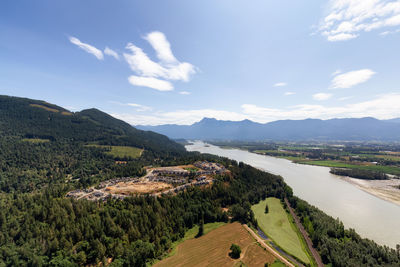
point(385, 189)
point(372, 217)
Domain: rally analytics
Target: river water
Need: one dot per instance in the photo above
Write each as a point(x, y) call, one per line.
point(370, 216)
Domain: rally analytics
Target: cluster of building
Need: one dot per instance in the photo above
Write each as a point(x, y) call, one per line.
point(171, 171)
point(209, 168)
point(184, 186)
point(168, 179)
point(115, 181)
point(171, 175)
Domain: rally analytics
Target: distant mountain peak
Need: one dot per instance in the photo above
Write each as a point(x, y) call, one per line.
point(346, 129)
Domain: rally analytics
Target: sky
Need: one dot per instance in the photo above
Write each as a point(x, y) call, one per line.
point(177, 61)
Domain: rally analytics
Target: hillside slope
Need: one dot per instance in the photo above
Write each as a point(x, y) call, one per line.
point(42, 144)
point(29, 118)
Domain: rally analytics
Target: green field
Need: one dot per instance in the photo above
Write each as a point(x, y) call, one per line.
point(277, 263)
point(121, 151)
point(276, 225)
point(338, 164)
point(35, 140)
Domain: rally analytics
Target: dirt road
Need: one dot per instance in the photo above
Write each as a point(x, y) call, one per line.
point(264, 245)
point(314, 252)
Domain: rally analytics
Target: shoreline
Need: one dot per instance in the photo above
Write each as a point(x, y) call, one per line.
point(382, 189)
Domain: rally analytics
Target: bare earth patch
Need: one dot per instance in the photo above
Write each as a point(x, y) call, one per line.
point(137, 188)
point(213, 248)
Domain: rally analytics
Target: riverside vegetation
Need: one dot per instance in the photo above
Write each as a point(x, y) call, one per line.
point(40, 227)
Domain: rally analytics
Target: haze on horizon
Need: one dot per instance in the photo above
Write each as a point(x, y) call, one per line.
point(175, 62)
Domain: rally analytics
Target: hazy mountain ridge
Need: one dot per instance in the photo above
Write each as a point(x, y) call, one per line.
point(351, 129)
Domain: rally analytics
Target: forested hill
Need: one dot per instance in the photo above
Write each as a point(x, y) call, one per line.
point(42, 144)
point(29, 118)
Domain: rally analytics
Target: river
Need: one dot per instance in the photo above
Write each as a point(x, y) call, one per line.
point(370, 216)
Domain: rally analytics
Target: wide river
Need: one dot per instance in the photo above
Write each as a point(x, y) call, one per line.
point(370, 216)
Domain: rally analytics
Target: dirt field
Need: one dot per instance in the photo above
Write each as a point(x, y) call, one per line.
point(212, 249)
point(137, 188)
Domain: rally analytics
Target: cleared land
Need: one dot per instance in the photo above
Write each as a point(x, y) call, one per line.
point(121, 151)
point(35, 140)
point(277, 226)
point(213, 248)
point(137, 188)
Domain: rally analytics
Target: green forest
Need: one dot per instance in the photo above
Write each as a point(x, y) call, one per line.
point(44, 153)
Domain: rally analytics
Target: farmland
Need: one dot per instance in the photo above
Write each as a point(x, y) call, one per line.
point(121, 152)
point(276, 225)
point(379, 157)
point(35, 140)
point(213, 248)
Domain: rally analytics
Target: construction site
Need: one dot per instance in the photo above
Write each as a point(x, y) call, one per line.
point(157, 181)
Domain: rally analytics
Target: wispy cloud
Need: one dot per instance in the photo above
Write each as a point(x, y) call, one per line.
point(280, 84)
point(345, 98)
point(336, 72)
point(184, 93)
point(385, 33)
point(150, 82)
point(382, 107)
point(352, 78)
point(150, 72)
point(87, 47)
point(321, 96)
point(109, 52)
point(347, 19)
point(139, 107)
point(289, 93)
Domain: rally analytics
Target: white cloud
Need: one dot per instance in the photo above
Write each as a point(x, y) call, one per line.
point(289, 93)
point(169, 68)
point(162, 47)
point(341, 37)
point(345, 98)
point(139, 107)
point(321, 96)
point(109, 52)
point(352, 78)
point(280, 84)
point(183, 117)
point(336, 72)
point(389, 32)
point(150, 82)
point(347, 19)
point(184, 93)
point(382, 107)
point(87, 47)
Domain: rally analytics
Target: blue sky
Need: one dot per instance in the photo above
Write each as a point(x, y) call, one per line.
point(156, 62)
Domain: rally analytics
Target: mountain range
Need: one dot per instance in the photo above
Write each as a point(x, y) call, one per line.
point(347, 129)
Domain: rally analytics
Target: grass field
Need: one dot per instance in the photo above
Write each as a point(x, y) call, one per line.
point(212, 249)
point(277, 263)
point(276, 225)
point(338, 164)
point(121, 151)
point(35, 140)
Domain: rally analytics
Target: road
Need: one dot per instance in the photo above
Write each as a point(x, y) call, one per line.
point(314, 252)
point(264, 245)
